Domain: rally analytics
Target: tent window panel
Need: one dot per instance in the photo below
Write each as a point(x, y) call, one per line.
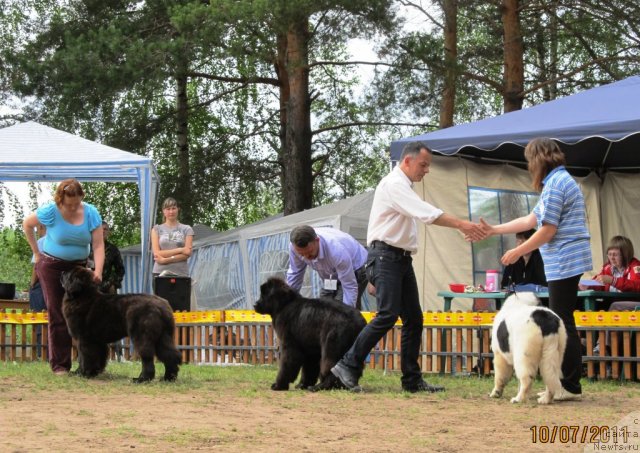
point(486, 255)
point(213, 286)
point(495, 206)
point(273, 263)
point(218, 277)
point(513, 205)
point(484, 203)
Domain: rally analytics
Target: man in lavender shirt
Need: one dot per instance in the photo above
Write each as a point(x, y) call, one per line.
point(337, 257)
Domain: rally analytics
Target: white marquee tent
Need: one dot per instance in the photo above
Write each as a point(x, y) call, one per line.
point(228, 267)
point(33, 152)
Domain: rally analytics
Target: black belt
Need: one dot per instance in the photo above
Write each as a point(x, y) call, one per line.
point(78, 262)
point(384, 246)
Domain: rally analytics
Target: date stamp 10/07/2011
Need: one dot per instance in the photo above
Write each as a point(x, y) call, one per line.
point(576, 434)
point(619, 435)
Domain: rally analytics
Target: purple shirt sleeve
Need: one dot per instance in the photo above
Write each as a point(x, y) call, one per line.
point(297, 268)
point(346, 275)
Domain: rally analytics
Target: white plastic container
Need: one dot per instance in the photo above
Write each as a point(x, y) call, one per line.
point(491, 280)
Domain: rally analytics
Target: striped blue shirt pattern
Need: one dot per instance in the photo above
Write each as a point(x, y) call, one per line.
point(561, 204)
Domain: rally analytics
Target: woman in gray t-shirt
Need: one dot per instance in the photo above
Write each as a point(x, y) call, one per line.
point(171, 242)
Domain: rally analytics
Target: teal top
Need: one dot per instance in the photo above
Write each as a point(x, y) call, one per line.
point(66, 241)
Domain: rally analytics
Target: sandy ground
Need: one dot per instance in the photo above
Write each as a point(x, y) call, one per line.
point(232, 418)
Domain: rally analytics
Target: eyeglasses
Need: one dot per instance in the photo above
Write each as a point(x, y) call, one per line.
point(614, 254)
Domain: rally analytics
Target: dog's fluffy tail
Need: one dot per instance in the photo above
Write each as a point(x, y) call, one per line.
point(170, 352)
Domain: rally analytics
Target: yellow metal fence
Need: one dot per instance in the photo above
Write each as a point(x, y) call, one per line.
point(457, 343)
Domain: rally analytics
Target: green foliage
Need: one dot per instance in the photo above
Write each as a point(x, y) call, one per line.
point(118, 205)
point(568, 46)
point(107, 71)
point(15, 258)
point(11, 206)
point(254, 381)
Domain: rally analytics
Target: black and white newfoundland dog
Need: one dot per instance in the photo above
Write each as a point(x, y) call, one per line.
point(95, 319)
point(313, 334)
point(527, 337)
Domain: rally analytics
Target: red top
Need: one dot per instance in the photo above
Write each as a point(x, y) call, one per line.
point(630, 280)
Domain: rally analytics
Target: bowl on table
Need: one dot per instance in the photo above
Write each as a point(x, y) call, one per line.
point(457, 287)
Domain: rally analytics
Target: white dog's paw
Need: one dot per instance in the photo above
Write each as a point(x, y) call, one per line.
point(515, 400)
point(495, 393)
point(545, 398)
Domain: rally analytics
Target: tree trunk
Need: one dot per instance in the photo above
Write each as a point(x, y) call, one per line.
point(283, 77)
point(553, 55)
point(541, 55)
point(183, 184)
point(297, 175)
point(513, 57)
point(450, 8)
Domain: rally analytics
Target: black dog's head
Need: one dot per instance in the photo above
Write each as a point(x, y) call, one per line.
point(274, 295)
point(78, 281)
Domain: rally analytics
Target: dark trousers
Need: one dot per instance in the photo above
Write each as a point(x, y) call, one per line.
point(397, 296)
point(49, 271)
point(338, 294)
point(563, 300)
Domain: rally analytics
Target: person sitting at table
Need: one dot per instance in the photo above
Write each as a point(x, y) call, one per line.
point(621, 272)
point(529, 269)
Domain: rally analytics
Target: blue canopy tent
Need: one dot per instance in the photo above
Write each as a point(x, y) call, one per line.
point(32, 152)
point(598, 129)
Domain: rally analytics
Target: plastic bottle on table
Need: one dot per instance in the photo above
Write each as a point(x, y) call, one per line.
point(491, 281)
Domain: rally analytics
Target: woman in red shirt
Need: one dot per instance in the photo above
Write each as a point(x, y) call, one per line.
point(622, 272)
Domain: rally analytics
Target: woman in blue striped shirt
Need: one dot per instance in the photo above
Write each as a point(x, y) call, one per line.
point(563, 240)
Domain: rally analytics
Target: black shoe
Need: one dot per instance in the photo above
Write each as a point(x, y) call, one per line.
point(422, 386)
point(348, 378)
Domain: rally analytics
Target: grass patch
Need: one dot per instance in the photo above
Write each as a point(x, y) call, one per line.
point(255, 381)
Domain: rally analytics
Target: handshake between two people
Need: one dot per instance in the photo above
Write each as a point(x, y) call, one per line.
point(474, 232)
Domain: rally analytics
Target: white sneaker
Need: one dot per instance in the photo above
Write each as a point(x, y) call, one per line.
point(565, 395)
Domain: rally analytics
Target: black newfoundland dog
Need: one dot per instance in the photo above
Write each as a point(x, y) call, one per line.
point(313, 334)
point(95, 319)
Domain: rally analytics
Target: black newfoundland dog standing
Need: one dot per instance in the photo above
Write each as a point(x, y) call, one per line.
point(313, 334)
point(95, 319)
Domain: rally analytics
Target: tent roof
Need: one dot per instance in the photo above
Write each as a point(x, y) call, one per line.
point(597, 129)
point(34, 152)
point(356, 207)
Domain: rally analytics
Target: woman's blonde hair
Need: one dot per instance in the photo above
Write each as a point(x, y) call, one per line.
point(68, 188)
point(543, 155)
point(169, 203)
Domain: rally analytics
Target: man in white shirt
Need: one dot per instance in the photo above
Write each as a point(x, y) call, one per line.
point(392, 239)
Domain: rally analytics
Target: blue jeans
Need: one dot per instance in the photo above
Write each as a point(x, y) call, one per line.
point(397, 296)
point(36, 303)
